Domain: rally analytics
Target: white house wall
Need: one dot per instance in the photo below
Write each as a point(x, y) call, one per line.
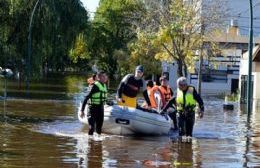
point(256, 78)
point(243, 67)
point(213, 88)
point(256, 94)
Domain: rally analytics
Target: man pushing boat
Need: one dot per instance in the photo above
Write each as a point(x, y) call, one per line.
point(130, 86)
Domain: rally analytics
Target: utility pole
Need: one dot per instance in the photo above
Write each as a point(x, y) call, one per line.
point(250, 48)
point(200, 71)
point(28, 61)
point(199, 78)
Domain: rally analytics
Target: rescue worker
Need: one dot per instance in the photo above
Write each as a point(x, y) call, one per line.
point(167, 95)
point(91, 80)
point(97, 97)
point(130, 86)
point(185, 104)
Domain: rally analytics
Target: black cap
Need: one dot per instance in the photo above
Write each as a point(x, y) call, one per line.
point(139, 68)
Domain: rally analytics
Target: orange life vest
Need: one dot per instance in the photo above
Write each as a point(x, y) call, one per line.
point(153, 100)
point(166, 91)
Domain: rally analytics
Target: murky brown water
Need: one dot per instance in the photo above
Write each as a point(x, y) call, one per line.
point(46, 133)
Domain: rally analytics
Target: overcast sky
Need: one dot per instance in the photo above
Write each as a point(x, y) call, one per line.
point(90, 4)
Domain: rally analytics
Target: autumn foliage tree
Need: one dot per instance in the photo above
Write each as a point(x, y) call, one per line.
point(79, 50)
point(176, 27)
point(143, 52)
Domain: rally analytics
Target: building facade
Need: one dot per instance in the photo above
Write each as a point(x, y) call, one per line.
point(255, 76)
point(220, 73)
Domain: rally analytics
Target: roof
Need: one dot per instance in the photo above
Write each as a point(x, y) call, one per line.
point(255, 54)
point(232, 36)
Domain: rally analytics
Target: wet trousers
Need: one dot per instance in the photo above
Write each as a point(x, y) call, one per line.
point(173, 116)
point(186, 122)
point(95, 118)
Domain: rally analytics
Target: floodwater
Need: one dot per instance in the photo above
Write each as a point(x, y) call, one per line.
point(44, 131)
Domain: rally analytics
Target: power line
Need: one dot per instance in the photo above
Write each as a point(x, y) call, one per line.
point(243, 17)
point(242, 12)
point(248, 27)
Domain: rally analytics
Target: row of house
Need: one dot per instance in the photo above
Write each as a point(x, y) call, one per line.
point(226, 72)
point(255, 75)
point(220, 73)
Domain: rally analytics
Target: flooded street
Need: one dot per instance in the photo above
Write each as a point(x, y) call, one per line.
point(44, 132)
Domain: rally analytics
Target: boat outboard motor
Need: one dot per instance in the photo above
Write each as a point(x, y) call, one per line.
point(6, 73)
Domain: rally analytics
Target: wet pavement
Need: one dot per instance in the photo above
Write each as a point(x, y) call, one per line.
point(46, 133)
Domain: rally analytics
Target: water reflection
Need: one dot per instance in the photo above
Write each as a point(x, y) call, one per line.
point(92, 156)
point(46, 133)
point(215, 137)
point(184, 155)
point(20, 145)
point(3, 118)
point(55, 87)
point(252, 154)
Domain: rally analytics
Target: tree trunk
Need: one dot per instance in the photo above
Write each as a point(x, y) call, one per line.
point(180, 66)
point(185, 69)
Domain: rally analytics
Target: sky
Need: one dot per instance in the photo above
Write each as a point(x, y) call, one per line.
point(91, 5)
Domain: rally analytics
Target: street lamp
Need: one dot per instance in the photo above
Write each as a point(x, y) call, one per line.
point(28, 61)
point(250, 48)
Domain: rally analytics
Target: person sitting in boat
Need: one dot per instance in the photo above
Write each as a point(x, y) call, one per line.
point(97, 97)
point(165, 88)
point(167, 95)
point(154, 95)
point(156, 98)
point(149, 86)
point(130, 86)
point(185, 104)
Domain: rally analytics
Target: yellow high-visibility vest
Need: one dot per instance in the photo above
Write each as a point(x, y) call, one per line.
point(99, 97)
point(190, 102)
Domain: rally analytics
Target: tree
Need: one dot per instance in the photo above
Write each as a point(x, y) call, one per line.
point(176, 25)
point(4, 29)
point(143, 52)
point(56, 26)
point(80, 50)
point(111, 33)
